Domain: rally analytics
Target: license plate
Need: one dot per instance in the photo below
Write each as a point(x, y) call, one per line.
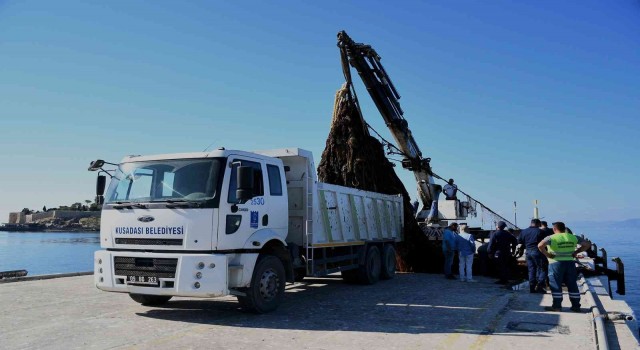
point(143, 280)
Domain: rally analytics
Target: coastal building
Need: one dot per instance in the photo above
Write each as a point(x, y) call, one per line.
point(21, 218)
point(17, 218)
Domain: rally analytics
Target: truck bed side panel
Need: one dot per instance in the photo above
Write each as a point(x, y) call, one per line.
point(344, 215)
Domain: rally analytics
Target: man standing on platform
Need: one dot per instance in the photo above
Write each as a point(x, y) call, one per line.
point(536, 262)
point(560, 249)
point(501, 248)
point(450, 190)
point(448, 248)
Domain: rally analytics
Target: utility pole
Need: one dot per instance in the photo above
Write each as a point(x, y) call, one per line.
point(515, 213)
point(536, 214)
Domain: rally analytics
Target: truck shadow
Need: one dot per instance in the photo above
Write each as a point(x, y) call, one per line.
point(410, 303)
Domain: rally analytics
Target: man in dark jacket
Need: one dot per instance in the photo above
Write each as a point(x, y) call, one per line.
point(501, 247)
point(536, 262)
point(546, 232)
point(544, 227)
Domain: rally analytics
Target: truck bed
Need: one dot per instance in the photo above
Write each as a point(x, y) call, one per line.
point(346, 215)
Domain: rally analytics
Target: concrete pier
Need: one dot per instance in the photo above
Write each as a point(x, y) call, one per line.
point(412, 311)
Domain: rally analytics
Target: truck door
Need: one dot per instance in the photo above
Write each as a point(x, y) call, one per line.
point(238, 221)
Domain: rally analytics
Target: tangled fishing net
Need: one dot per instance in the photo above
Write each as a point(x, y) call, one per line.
point(353, 158)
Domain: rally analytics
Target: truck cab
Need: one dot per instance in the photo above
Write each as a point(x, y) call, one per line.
point(174, 225)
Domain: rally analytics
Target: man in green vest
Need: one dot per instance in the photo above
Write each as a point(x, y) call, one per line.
point(560, 249)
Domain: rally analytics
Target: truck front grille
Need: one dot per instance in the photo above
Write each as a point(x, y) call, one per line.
point(149, 241)
point(155, 267)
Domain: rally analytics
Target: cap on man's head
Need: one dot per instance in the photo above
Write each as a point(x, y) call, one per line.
point(502, 224)
point(535, 222)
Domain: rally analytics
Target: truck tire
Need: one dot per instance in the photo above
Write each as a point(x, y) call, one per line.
point(370, 272)
point(267, 286)
point(150, 300)
point(388, 270)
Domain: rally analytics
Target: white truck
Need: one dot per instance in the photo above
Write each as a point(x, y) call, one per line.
point(229, 222)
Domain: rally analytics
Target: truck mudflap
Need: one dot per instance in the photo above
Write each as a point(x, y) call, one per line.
point(189, 275)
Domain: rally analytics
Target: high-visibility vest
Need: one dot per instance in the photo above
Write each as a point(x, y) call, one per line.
point(563, 245)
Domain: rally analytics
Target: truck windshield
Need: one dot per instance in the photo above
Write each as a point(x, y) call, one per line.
point(165, 180)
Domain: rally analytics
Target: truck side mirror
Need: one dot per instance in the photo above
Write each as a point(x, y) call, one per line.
point(101, 182)
point(244, 180)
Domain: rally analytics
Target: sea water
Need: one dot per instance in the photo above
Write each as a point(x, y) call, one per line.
point(58, 252)
point(622, 242)
point(48, 252)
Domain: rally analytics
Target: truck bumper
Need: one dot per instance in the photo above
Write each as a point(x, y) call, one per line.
point(190, 275)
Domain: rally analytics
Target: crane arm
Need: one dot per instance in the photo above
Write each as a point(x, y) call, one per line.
point(386, 98)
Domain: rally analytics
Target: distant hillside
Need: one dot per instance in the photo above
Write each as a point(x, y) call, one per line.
point(629, 223)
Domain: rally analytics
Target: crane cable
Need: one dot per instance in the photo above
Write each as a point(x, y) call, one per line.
point(346, 71)
point(390, 145)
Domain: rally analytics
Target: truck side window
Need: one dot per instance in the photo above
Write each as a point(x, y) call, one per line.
point(275, 182)
point(258, 184)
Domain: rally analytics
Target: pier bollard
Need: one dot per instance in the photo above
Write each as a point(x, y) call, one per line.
point(620, 276)
point(604, 258)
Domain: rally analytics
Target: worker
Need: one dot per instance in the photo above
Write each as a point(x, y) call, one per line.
point(483, 260)
point(448, 248)
point(502, 246)
point(466, 244)
point(414, 206)
point(546, 231)
point(560, 249)
point(536, 262)
point(544, 227)
point(450, 190)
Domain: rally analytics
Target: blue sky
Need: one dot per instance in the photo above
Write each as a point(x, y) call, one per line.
point(515, 100)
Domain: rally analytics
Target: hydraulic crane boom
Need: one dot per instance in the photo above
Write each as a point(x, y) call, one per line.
point(385, 96)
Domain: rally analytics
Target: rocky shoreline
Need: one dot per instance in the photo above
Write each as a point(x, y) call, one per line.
point(42, 228)
point(91, 224)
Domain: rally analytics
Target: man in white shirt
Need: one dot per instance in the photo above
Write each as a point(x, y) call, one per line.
point(450, 190)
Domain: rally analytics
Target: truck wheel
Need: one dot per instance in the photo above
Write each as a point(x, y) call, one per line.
point(150, 300)
point(370, 272)
point(388, 270)
point(267, 286)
